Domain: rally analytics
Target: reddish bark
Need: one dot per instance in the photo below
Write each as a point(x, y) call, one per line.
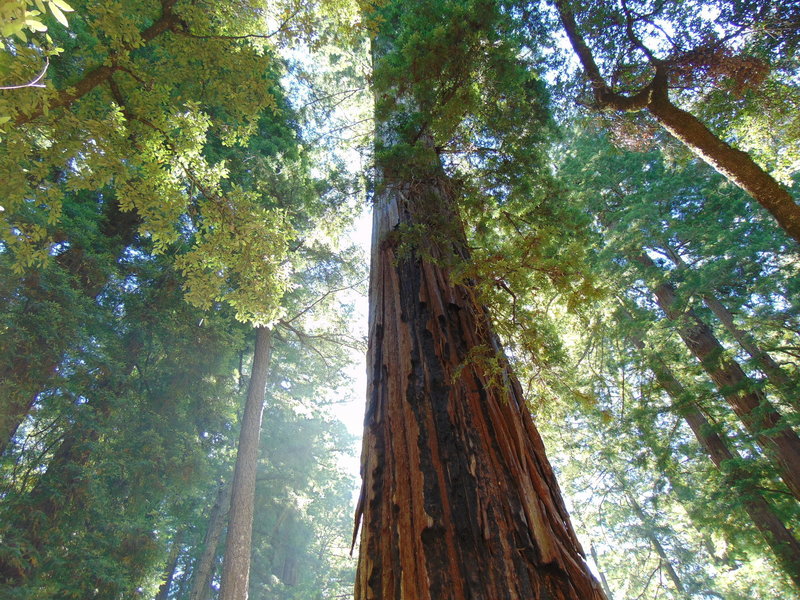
point(735, 165)
point(775, 374)
point(458, 499)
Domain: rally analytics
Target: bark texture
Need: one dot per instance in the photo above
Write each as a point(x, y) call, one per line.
point(755, 411)
point(458, 498)
point(236, 564)
point(775, 374)
point(765, 362)
point(733, 164)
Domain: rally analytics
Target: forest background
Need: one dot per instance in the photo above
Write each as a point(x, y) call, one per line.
point(180, 179)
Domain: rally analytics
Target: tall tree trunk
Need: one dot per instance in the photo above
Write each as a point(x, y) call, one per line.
point(203, 570)
point(649, 531)
point(236, 564)
point(737, 166)
point(665, 461)
point(458, 498)
point(755, 411)
point(172, 565)
point(19, 388)
point(654, 541)
point(726, 458)
point(765, 362)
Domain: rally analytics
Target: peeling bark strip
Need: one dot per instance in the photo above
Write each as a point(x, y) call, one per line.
point(458, 499)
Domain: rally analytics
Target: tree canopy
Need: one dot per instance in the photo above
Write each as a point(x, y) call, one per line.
point(607, 190)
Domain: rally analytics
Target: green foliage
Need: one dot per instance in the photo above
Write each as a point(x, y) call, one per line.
point(169, 180)
point(144, 128)
point(144, 217)
point(685, 217)
point(16, 16)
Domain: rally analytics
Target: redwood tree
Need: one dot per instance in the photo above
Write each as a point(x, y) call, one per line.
point(458, 499)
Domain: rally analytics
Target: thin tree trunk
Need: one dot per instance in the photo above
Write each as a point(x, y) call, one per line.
point(737, 166)
point(19, 399)
point(766, 363)
point(603, 582)
point(755, 411)
point(458, 498)
point(236, 564)
point(725, 457)
point(172, 565)
point(647, 526)
point(203, 570)
point(696, 512)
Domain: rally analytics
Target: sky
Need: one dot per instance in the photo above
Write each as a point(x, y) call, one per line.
point(351, 412)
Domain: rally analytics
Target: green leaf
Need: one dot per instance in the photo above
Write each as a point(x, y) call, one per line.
point(58, 14)
point(62, 5)
point(35, 25)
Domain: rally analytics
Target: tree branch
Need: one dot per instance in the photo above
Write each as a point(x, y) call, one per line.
point(604, 96)
point(100, 74)
point(35, 82)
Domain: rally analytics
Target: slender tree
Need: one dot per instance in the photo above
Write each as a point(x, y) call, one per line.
point(649, 532)
point(755, 410)
point(236, 565)
point(728, 460)
point(775, 374)
point(204, 567)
